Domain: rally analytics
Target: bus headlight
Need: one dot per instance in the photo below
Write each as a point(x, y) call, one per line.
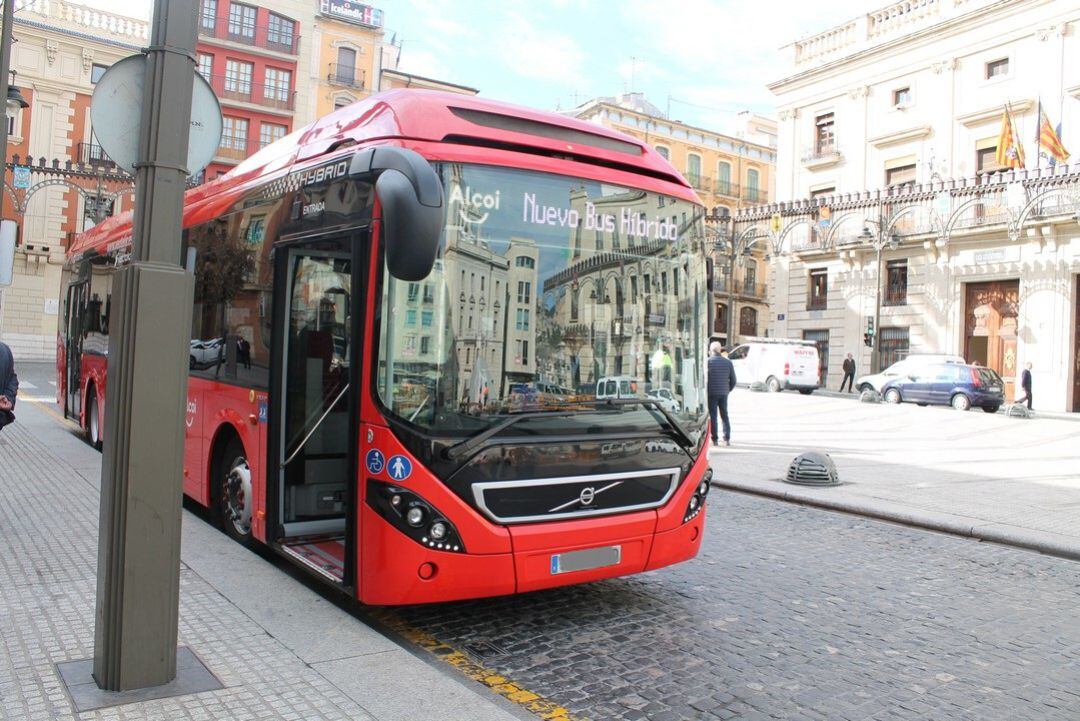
point(413, 516)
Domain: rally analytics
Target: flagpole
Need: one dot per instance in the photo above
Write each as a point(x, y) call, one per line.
point(1038, 135)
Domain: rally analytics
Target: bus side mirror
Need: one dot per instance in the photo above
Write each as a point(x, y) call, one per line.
point(411, 197)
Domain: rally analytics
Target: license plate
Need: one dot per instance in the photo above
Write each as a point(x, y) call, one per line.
point(586, 559)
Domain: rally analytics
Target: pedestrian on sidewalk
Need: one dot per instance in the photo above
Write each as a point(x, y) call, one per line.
point(1025, 383)
point(849, 373)
point(721, 381)
point(9, 386)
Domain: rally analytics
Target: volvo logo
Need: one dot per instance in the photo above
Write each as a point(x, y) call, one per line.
point(586, 497)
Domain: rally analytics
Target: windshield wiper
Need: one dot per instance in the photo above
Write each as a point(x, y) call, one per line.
point(671, 420)
point(467, 446)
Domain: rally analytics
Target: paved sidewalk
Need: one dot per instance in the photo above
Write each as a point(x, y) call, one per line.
point(987, 476)
point(280, 649)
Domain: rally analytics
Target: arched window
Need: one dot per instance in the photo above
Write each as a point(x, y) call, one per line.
point(752, 180)
point(723, 178)
point(720, 320)
point(573, 305)
point(747, 321)
point(664, 153)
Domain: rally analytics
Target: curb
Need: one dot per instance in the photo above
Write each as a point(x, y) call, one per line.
point(1050, 544)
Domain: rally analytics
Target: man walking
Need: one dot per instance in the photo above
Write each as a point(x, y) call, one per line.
point(721, 381)
point(9, 386)
point(849, 373)
point(1025, 383)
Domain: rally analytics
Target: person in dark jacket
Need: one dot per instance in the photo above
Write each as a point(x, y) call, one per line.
point(1025, 383)
point(849, 373)
point(9, 386)
point(721, 381)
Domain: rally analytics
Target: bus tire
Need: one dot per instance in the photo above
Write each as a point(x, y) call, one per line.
point(93, 419)
point(231, 493)
point(773, 384)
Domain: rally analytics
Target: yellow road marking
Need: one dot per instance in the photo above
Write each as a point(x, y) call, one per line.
point(45, 406)
point(507, 688)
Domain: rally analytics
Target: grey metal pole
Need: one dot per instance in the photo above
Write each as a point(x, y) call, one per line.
point(875, 362)
point(141, 483)
point(5, 73)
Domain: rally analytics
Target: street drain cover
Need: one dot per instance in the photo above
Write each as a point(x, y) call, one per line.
point(813, 469)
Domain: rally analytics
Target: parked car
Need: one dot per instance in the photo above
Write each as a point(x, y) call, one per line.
point(666, 397)
point(908, 366)
point(205, 353)
point(779, 363)
point(951, 384)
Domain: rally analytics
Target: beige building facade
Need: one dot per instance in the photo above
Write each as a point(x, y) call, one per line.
point(729, 172)
point(889, 127)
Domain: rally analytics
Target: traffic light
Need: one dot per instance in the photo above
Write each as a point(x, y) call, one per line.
point(868, 340)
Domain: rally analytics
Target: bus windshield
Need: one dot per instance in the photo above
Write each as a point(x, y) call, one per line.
point(549, 293)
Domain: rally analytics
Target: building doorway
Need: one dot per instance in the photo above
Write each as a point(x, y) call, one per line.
point(991, 312)
point(821, 339)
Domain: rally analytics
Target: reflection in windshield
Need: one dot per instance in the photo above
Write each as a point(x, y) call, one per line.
point(549, 291)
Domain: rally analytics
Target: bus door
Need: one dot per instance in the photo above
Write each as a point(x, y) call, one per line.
point(77, 298)
point(314, 409)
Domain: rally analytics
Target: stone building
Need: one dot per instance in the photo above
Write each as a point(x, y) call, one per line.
point(889, 127)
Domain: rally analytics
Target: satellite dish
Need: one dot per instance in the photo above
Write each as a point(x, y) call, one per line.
point(116, 114)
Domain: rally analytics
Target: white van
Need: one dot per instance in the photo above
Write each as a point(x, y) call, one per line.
point(779, 363)
point(616, 387)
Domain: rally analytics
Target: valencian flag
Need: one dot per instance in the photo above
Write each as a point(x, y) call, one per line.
point(1010, 152)
point(1049, 141)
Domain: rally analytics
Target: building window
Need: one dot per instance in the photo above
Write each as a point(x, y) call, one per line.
point(664, 152)
point(903, 176)
point(269, 132)
point(818, 292)
point(280, 31)
point(901, 97)
point(242, 22)
point(414, 291)
point(524, 261)
point(693, 169)
point(821, 340)
point(208, 15)
point(234, 132)
point(723, 178)
point(344, 72)
point(986, 160)
point(822, 192)
point(342, 101)
point(720, 323)
point(752, 181)
point(750, 276)
point(825, 134)
point(238, 77)
point(524, 352)
point(96, 71)
point(893, 345)
point(997, 68)
point(410, 317)
point(426, 318)
point(277, 84)
point(896, 283)
point(522, 319)
point(206, 65)
point(524, 294)
point(425, 344)
point(747, 321)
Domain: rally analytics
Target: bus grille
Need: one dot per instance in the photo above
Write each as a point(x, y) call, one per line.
point(546, 499)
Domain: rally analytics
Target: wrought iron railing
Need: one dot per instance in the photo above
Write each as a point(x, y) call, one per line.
point(348, 76)
point(260, 36)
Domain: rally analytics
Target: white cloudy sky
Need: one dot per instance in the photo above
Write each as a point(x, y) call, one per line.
point(705, 59)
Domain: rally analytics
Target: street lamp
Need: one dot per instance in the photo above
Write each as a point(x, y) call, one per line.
point(883, 237)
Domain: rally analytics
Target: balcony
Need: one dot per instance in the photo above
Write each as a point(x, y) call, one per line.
point(242, 90)
point(346, 76)
point(755, 195)
point(754, 291)
point(235, 148)
point(94, 156)
point(821, 155)
point(698, 181)
point(258, 36)
point(727, 189)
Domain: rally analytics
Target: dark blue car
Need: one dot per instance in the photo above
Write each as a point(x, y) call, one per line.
point(950, 384)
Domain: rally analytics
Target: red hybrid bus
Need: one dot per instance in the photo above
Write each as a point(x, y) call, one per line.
point(441, 348)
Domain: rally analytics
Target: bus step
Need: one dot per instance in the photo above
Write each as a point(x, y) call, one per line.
point(325, 555)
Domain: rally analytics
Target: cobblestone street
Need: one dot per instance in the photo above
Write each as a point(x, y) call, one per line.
point(795, 613)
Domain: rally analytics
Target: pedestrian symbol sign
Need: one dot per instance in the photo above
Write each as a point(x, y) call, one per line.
point(375, 461)
point(399, 468)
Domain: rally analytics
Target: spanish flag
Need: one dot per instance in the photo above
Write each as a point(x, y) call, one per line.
point(1049, 141)
point(1010, 152)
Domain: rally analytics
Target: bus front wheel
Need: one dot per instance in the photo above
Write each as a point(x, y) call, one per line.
point(93, 420)
point(234, 492)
